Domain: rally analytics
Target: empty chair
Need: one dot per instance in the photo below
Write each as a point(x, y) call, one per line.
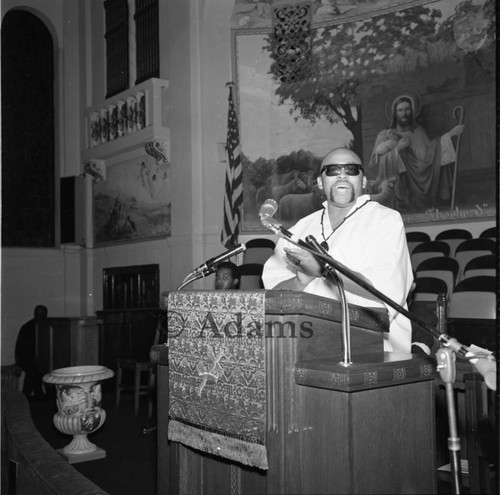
point(428, 289)
point(258, 250)
point(473, 248)
point(453, 237)
point(482, 265)
point(490, 233)
point(442, 267)
point(250, 276)
point(480, 284)
point(140, 370)
point(415, 238)
point(474, 298)
point(429, 249)
point(424, 297)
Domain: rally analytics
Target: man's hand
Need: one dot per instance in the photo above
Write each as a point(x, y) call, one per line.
point(304, 263)
point(305, 267)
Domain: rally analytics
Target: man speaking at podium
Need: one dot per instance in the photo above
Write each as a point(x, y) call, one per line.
point(366, 237)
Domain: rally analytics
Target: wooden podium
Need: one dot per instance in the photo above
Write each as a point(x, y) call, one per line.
point(365, 428)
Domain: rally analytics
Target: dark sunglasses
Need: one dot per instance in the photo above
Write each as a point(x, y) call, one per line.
point(349, 169)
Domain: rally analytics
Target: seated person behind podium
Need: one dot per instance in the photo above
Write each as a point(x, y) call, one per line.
point(363, 235)
point(227, 276)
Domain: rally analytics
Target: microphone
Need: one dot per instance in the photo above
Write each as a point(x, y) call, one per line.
point(268, 209)
point(209, 266)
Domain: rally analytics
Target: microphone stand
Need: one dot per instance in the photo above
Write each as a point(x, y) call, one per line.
point(447, 369)
point(346, 320)
point(210, 266)
point(193, 276)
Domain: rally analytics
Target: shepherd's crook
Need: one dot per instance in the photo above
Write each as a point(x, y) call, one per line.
point(454, 185)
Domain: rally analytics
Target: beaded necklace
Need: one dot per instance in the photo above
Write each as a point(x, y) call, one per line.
point(324, 244)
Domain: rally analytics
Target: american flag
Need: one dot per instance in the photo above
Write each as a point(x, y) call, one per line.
point(233, 189)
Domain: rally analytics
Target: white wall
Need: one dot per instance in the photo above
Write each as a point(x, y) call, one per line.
point(199, 65)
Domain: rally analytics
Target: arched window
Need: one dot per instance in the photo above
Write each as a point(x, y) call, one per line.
point(28, 150)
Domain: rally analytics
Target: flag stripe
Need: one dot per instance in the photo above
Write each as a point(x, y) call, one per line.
point(233, 187)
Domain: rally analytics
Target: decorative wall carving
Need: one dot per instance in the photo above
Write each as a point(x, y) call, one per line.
point(292, 43)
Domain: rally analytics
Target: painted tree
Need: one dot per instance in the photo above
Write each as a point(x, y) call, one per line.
point(344, 58)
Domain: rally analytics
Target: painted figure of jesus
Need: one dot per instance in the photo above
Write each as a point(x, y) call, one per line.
point(421, 166)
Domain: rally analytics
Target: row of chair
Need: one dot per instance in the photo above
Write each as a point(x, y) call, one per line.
point(452, 237)
point(461, 267)
point(439, 258)
point(468, 279)
point(464, 252)
point(473, 297)
point(449, 270)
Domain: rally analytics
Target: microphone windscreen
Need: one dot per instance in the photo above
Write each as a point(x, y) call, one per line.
point(269, 208)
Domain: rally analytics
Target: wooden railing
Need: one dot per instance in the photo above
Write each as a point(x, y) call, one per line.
point(33, 466)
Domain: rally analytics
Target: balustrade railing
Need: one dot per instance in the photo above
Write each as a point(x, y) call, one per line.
point(127, 113)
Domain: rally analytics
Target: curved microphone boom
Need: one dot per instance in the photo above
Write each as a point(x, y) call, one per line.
point(210, 266)
point(328, 270)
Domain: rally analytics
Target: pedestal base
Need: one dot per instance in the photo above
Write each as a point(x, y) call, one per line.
point(98, 453)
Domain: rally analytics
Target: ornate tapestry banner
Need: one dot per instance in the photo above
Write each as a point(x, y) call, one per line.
point(217, 376)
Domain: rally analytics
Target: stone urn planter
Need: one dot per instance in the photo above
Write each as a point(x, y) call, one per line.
point(79, 411)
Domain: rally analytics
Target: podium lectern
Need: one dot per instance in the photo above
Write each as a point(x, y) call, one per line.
point(365, 428)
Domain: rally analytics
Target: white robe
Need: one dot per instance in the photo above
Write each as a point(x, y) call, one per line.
point(371, 242)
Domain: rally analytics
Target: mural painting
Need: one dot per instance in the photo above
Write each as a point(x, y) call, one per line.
point(410, 87)
point(134, 202)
